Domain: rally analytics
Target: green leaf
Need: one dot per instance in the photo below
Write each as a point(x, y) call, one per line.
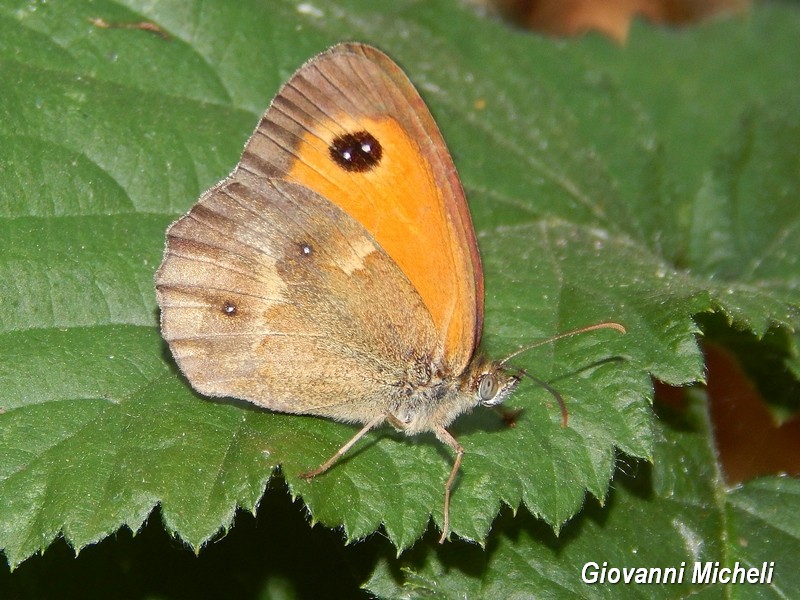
point(745, 221)
point(594, 188)
point(655, 516)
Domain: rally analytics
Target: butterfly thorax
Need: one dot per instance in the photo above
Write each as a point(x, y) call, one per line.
point(438, 401)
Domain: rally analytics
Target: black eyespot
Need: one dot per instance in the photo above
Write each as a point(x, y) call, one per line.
point(229, 309)
point(488, 387)
point(357, 152)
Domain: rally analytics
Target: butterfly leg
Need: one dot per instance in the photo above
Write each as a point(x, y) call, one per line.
point(341, 451)
point(448, 439)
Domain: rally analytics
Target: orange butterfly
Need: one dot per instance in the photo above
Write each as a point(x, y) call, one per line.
point(335, 272)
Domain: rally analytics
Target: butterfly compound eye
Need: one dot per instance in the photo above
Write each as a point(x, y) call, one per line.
point(487, 388)
point(356, 152)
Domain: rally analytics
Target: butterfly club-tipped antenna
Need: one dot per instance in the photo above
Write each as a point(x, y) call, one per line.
point(550, 389)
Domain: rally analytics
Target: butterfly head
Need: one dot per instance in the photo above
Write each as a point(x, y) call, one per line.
point(492, 383)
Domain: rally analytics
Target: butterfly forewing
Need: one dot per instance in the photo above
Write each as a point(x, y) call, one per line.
point(354, 101)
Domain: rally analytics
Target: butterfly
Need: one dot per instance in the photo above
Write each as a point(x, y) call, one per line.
point(336, 271)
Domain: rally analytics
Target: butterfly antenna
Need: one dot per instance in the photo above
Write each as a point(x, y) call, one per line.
point(566, 334)
point(553, 392)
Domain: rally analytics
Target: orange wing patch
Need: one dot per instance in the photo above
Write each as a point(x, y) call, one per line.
point(394, 196)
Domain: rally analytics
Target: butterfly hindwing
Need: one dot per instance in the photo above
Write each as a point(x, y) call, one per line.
point(303, 318)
